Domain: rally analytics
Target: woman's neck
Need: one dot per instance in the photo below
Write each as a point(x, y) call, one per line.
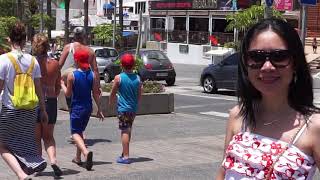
point(16, 47)
point(275, 104)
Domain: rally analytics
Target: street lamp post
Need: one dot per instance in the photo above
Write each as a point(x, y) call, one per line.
point(303, 24)
point(114, 24)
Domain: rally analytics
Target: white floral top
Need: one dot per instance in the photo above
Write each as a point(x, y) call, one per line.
point(249, 157)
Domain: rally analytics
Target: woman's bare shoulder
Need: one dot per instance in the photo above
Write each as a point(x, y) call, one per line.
point(315, 121)
point(235, 120)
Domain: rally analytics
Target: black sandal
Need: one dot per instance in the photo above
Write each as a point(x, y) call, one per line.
point(56, 170)
point(79, 163)
point(89, 162)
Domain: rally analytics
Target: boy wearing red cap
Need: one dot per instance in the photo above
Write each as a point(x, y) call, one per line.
point(128, 87)
point(80, 84)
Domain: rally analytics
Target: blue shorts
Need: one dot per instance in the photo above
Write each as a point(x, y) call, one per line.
point(126, 120)
point(79, 118)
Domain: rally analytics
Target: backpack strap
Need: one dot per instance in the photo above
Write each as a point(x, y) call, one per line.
point(30, 69)
point(15, 64)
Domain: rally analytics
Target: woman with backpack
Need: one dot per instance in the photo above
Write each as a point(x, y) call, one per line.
point(18, 147)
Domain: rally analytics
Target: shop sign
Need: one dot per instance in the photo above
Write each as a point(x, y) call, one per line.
point(183, 4)
point(171, 4)
point(204, 4)
point(283, 5)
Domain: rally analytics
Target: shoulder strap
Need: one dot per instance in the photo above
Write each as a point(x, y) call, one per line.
point(30, 69)
point(292, 141)
point(15, 64)
point(301, 130)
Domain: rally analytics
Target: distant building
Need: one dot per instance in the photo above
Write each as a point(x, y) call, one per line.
point(187, 29)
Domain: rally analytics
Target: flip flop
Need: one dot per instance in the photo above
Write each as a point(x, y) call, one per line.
point(79, 163)
point(57, 171)
point(89, 162)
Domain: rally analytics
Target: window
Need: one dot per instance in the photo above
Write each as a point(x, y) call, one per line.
point(232, 60)
point(156, 55)
point(184, 49)
point(158, 23)
point(179, 33)
point(105, 53)
point(140, 5)
point(198, 33)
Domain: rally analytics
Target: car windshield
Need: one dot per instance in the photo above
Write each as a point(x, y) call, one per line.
point(156, 55)
point(105, 53)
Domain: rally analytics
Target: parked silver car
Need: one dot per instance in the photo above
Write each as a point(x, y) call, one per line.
point(104, 56)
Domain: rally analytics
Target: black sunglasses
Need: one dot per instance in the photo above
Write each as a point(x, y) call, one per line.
point(279, 58)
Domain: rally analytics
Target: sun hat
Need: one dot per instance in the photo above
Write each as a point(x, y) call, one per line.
point(81, 57)
point(127, 60)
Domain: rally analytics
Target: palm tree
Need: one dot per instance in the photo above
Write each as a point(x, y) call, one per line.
point(242, 20)
point(19, 9)
point(50, 15)
point(66, 22)
point(86, 16)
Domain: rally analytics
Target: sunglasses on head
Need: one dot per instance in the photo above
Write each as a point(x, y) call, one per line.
point(279, 58)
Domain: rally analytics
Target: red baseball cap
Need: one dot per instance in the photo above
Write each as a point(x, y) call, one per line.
point(127, 60)
point(81, 57)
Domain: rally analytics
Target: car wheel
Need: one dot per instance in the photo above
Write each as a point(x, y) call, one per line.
point(209, 85)
point(170, 82)
point(106, 77)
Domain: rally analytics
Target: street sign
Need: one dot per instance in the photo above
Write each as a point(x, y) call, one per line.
point(309, 2)
point(269, 2)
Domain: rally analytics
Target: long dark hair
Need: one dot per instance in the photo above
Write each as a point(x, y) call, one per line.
point(300, 95)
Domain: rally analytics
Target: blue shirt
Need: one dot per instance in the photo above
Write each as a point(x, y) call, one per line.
point(128, 92)
point(82, 87)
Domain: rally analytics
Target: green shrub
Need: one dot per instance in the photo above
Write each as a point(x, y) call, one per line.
point(152, 87)
point(148, 87)
point(138, 63)
point(233, 45)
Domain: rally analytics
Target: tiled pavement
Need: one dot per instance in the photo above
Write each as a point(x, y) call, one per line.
point(163, 147)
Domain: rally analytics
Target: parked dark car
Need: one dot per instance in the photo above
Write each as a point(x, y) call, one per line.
point(104, 56)
point(157, 66)
point(222, 75)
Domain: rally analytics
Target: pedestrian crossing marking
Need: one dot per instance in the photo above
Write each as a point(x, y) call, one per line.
point(215, 113)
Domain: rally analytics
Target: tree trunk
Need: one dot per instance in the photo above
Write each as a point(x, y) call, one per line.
point(19, 9)
point(86, 17)
point(66, 22)
point(121, 23)
point(50, 15)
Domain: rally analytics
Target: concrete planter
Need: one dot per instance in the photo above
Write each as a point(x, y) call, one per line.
point(158, 103)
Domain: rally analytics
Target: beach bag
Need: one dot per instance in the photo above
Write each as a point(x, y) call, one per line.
point(24, 93)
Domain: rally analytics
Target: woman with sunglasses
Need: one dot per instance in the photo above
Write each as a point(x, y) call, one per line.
point(273, 133)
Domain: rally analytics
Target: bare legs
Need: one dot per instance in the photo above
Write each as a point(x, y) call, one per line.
point(45, 132)
point(125, 139)
point(12, 162)
point(82, 149)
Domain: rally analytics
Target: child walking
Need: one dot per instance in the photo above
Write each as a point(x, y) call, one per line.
point(128, 87)
point(80, 84)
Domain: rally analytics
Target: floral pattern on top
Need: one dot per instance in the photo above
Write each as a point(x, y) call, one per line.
point(249, 156)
